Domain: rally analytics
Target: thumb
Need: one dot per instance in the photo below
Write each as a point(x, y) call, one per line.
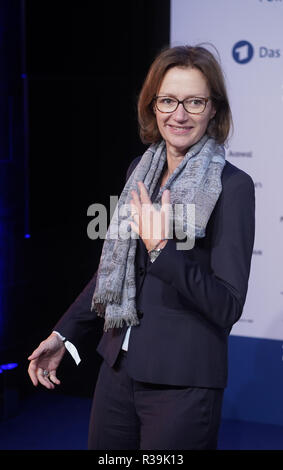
point(36, 353)
point(165, 197)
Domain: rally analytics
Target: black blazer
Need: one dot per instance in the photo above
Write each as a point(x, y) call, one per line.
point(187, 300)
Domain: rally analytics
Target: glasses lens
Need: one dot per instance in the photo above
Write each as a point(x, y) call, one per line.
point(195, 105)
point(166, 104)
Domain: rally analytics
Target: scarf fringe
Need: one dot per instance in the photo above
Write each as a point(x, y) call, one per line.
point(130, 320)
point(99, 302)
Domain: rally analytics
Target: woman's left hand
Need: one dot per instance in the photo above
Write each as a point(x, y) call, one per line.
point(149, 223)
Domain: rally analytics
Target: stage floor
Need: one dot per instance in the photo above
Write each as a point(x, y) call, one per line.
point(52, 421)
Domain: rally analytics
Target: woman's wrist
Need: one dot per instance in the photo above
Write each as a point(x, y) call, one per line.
point(156, 245)
point(155, 252)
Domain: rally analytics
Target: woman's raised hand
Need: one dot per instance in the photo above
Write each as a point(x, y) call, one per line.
point(151, 224)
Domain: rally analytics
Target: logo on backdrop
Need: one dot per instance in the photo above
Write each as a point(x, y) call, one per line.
point(243, 52)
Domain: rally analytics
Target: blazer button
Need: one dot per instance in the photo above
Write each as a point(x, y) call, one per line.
point(139, 314)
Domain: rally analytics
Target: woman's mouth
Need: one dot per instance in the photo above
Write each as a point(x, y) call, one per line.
point(179, 130)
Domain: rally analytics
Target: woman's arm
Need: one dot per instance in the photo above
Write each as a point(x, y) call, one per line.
point(79, 319)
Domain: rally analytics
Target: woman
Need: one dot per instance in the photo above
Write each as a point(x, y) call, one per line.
point(169, 304)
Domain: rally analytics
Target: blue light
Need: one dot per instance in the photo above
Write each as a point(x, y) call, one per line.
point(9, 366)
point(27, 235)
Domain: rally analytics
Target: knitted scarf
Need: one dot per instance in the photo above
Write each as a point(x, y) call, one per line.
point(196, 180)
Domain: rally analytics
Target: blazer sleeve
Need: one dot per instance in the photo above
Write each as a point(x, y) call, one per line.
point(217, 294)
point(78, 320)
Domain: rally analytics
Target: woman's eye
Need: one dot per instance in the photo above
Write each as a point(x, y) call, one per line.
point(196, 102)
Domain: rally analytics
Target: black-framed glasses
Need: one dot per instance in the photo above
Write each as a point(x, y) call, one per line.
point(193, 105)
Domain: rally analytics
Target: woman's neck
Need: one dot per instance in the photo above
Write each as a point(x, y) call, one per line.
point(173, 160)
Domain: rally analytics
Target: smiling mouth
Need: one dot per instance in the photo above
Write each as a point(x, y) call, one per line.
point(179, 128)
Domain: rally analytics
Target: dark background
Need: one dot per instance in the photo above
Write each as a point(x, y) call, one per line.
point(71, 72)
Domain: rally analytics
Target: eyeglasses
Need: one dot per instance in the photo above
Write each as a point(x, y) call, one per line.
point(167, 104)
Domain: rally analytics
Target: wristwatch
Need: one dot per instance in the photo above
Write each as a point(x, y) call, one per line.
point(153, 254)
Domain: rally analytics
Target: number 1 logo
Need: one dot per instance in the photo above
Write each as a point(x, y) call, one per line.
point(242, 52)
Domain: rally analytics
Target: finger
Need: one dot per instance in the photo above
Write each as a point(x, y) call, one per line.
point(136, 200)
point(134, 209)
point(44, 380)
point(134, 226)
point(165, 202)
point(165, 212)
point(53, 378)
point(32, 373)
point(145, 199)
point(166, 207)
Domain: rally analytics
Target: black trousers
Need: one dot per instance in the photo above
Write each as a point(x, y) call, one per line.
point(127, 414)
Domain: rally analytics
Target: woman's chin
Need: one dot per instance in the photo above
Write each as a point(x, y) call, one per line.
point(180, 145)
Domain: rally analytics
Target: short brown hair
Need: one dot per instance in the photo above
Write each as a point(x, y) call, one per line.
point(185, 56)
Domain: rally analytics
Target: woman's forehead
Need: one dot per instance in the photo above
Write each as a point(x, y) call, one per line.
point(189, 81)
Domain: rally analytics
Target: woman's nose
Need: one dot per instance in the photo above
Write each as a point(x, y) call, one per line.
point(180, 114)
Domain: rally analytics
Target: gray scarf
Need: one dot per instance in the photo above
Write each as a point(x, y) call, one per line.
point(196, 180)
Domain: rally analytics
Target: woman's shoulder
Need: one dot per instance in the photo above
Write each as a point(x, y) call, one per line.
point(132, 166)
point(232, 175)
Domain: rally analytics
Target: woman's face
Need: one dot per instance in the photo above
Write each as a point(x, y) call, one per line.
point(179, 129)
